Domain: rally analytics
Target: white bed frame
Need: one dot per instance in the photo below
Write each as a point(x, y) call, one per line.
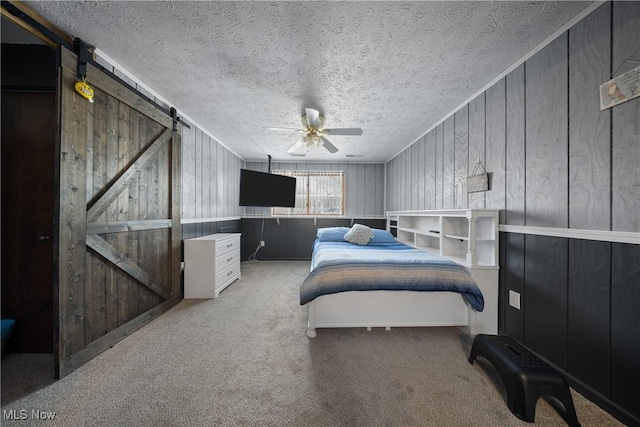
point(371, 309)
point(387, 309)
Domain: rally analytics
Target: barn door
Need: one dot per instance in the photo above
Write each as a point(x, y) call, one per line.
point(119, 215)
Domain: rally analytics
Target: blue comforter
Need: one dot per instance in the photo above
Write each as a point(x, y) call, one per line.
point(342, 266)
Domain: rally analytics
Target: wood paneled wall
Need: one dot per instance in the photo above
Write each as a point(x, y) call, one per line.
point(211, 177)
point(579, 301)
point(555, 159)
point(290, 238)
point(364, 187)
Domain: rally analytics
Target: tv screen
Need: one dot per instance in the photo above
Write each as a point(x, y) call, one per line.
point(266, 189)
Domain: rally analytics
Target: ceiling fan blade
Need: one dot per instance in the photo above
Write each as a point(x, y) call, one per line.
point(313, 117)
point(278, 128)
point(344, 131)
point(329, 146)
point(295, 146)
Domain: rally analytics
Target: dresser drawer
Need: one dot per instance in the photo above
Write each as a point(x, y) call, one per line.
point(227, 274)
point(224, 261)
point(227, 245)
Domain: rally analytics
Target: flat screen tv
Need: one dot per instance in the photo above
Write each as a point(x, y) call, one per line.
point(266, 189)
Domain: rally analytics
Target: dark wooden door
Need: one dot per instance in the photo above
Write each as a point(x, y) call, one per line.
point(119, 234)
point(28, 200)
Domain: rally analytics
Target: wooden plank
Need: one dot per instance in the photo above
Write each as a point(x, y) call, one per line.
point(515, 147)
point(477, 129)
point(137, 121)
point(420, 196)
point(207, 178)
point(126, 177)
point(376, 174)
point(439, 173)
point(72, 226)
point(369, 190)
point(461, 157)
point(361, 192)
point(589, 136)
point(546, 169)
point(199, 172)
point(102, 81)
point(503, 292)
point(156, 209)
point(125, 286)
point(189, 168)
point(588, 313)
point(126, 226)
point(220, 181)
point(176, 209)
point(514, 281)
point(625, 326)
point(111, 214)
point(545, 297)
point(121, 261)
point(400, 181)
point(414, 174)
point(74, 361)
point(351, 206)
point(408, 178)
point(625, 123)
point(96, 310)
point(144, 297)
point(216, 180)
point(495, 147)
point(448, 165)
point(429, 163)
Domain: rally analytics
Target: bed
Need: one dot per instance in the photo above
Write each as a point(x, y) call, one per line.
point(385, 283)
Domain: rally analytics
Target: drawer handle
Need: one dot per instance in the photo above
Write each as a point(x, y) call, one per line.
point(230, 273)
point(230, 245)
point(229, 259)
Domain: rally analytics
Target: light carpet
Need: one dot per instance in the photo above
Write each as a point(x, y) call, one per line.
point(243, 359)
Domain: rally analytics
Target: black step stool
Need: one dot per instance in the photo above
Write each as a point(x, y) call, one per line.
point(525, 377)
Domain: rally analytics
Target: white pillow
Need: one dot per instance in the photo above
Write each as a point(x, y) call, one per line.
point(359, 234)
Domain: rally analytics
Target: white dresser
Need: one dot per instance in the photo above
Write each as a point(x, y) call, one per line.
point(211, 263)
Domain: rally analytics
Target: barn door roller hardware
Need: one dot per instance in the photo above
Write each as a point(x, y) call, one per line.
point(176, 119)
point(84, 56)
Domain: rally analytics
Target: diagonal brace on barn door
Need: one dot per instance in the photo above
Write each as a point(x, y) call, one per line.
point(121, 261)
point(127, 177)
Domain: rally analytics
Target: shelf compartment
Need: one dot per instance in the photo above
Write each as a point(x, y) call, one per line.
point(428, 241)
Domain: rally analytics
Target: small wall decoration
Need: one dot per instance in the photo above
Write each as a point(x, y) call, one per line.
point(478, 180)
point(83, 88)
point(620, 89)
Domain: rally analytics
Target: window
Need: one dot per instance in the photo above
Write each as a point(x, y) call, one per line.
point(317, 193)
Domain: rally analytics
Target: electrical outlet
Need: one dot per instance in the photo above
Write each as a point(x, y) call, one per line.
point(261, 243)
point(514, 299)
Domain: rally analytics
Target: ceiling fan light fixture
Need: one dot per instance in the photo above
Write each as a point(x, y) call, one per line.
point(314, 133)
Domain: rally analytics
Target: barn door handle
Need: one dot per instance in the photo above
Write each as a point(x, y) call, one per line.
point(43, 237)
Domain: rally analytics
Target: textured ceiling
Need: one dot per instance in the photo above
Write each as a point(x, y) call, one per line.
point(394, 69)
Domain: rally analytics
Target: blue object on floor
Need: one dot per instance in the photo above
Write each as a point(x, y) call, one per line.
point(7, 329)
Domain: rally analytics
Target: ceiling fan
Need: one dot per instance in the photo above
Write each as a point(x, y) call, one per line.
point(313, 132)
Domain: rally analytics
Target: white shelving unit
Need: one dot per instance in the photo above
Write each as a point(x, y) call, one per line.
point(466, 236)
